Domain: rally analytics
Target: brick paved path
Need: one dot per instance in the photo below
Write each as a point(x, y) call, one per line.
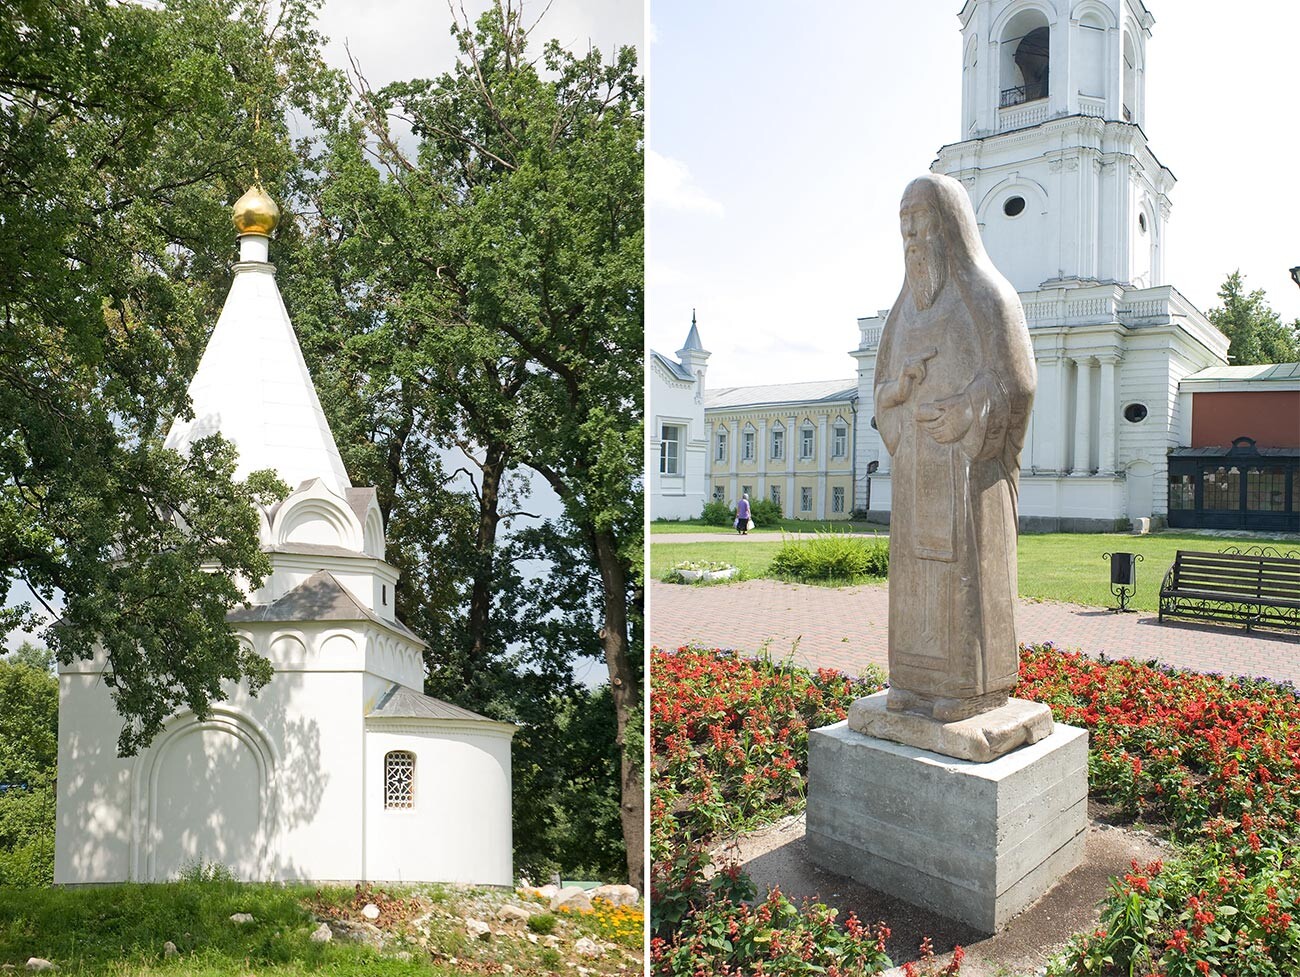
point(846, 627)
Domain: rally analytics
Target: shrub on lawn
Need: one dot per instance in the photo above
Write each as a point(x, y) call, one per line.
point(716, 512)
point(832, 557)
point(765, 512)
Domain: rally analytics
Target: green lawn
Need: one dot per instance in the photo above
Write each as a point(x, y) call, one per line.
point(668, 528)
point(1053, 566)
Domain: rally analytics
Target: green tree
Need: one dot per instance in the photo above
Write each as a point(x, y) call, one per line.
point(125, 132)
point(29, 719)
point(1255, 332)
point(492, 287)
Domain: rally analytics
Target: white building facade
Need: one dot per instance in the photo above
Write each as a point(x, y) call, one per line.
point(1072, 206)
point(340, 768)
point(676, 438)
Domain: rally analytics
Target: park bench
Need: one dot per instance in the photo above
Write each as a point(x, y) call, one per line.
point(1256, 587)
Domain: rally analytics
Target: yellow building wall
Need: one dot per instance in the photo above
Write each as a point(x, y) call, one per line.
point(821, 474)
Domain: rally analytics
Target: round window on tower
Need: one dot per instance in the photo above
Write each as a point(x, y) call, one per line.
point(1135, 412)
point(1013, 206)
point(1142, 223)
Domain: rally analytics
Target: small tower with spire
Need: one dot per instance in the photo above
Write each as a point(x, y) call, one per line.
point(695, 358)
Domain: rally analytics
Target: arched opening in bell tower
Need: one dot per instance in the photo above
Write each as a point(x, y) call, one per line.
point(1026, 58)
point(1130, 78)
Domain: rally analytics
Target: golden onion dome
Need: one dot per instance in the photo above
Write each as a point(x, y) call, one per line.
point(256, 212)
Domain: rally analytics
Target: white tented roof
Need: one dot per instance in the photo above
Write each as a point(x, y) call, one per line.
point(253, 387)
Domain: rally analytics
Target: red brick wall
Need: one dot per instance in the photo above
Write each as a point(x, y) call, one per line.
point(1271, 417)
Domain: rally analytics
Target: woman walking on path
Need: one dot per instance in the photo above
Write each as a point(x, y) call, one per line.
point(742, 515)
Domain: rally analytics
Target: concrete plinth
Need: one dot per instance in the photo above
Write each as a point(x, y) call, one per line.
point(977, 842)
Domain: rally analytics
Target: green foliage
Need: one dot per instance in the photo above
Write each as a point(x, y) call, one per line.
point(481, 300)
point(29, 717)
point(716, 512)
point(765, 513)
point(1256, 333)
point(832, 557)
point(201, 871)
point(127, 134)
point(543, 923)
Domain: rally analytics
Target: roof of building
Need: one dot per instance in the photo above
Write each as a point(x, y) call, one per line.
point(673, 367)
point(318, 598)
point(807, 392)
point(399, 702)
point(692, 338)
point(1255, 373)
point(252, 386)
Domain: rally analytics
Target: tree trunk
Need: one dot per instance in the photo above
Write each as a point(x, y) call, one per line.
point(480, 599)
point(627, 699)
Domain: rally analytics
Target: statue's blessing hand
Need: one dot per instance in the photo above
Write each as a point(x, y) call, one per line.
point(946, 420)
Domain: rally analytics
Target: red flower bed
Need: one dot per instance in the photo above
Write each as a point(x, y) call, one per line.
point(1217, 760)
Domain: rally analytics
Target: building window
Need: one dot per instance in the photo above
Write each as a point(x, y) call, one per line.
point(1221, 489)
point(722, 446)
point(1134, 413)
point(747, 446)
point(806, 442)
point(805, 499)
point(399, 779)
point(670, 450)
point(776, 494)
point(1266, 489)
point(839, 441)
point(1182, 492)
point(778, 443)
point(719, 493)
point(837, 499)
point(1014, 206)
point(747, 490)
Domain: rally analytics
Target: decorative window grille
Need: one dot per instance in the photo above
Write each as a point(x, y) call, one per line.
point(746, 490)
point(837, 499)
point(776, 494)
point(399, 779)
point(805, 499)
point(719, 493)
point(778, 444)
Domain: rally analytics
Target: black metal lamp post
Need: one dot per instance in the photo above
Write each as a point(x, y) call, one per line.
point(1295, 274)
point(1123, 577)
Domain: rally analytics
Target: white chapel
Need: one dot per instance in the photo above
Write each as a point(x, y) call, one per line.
point(1073, 207)
point(341, 768)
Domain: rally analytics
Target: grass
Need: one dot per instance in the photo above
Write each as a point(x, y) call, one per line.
point(1053, 566)
point(120, 930)
point(670, 528)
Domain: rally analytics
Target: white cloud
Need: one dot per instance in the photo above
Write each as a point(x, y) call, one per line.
point(669, 185)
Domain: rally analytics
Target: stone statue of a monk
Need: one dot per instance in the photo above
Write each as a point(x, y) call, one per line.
point(954, 385)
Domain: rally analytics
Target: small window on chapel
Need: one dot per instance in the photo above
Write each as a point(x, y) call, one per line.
point(1142, 223)
point(1014, 206)
point(1135, 412)
point(399, 779)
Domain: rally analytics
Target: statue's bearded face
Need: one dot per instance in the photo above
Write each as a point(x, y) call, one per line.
point(923, 252)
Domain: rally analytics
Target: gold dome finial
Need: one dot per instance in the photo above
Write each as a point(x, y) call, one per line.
point(256, 212)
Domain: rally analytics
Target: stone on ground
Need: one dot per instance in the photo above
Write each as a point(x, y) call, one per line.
point(169, 950)
point(477, 929)
point(586, 947)
point(370, 911)
point(571, 897)
point(322, 933)
point(40, 963)
point(242, 919)
point(618, 895)
point(510, 912)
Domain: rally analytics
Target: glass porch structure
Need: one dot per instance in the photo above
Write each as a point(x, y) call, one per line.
point(1242, 487)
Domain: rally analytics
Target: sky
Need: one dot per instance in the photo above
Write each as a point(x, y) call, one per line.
point(780, 144)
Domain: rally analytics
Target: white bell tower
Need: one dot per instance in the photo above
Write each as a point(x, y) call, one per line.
point(1053, 153)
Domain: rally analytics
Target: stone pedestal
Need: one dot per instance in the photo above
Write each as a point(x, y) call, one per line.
point(977, 842)
point(982, 737)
